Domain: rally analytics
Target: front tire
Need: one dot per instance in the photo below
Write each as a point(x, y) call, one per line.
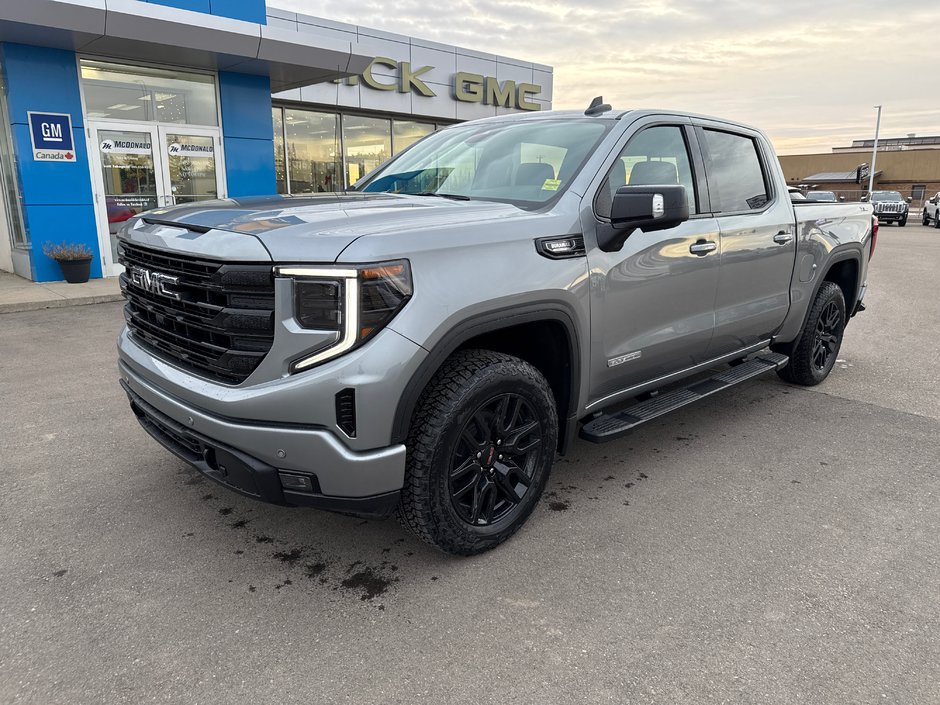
point(480, 449)
point(936, 220)
point(815, 353)
point(924, 218)
point(903, 221)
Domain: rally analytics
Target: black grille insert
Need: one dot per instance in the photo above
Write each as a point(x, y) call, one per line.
point(222, 323)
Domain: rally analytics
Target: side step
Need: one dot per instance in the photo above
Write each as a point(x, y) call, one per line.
point(607, 427)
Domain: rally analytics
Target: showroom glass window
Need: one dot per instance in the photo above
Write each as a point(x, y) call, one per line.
point(148, 94)
point(314, 157)
point(367, 142)
point(9, 190)
point(406, 132)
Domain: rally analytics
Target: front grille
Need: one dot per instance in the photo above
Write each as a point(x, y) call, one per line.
point(890, 207)
point(222, 324)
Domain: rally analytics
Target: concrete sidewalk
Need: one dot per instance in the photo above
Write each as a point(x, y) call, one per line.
point(18, 294)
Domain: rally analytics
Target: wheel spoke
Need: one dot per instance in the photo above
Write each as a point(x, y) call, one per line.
point(477, 504)
point(506, 486)
point(489, 503)
point(499, 416)
point(465, 467)
point(511, 444)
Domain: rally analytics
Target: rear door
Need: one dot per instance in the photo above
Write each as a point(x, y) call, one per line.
point(758, 236)
point(651, 301)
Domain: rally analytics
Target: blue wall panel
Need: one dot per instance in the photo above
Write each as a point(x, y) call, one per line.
point(194, 5)
point(53, 183)
point(248, 10)
point(73, 224)
point(246, 105)
point(249, 167)
point(57, 196)
point(43, 80)
point(249, 134)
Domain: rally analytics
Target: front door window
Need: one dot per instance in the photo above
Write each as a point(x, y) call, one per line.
point(191, 168)
point(129, 175)
point(141, 167)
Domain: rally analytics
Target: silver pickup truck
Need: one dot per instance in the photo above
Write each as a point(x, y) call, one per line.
point(425, 343)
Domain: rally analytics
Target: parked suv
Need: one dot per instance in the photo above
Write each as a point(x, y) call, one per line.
point(931, 212)
point(890, 207)
point(425, 343)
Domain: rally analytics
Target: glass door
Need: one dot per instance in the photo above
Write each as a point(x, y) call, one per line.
point(192, 165)
point(138, 167)
point(128, 181)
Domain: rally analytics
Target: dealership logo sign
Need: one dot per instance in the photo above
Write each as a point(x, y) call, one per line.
point(117, 146)
point(190, 150)
point(51, 136)
point(467, 87)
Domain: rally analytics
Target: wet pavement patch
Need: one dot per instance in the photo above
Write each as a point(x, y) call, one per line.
point(60, 573)
point(264, 539)
point(559, 506)
point(314, 569)
point(290, 557)
point(225, 511)
point(369, 582)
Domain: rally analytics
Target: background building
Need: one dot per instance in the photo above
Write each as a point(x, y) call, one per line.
point(910, 165)
point(112, 107)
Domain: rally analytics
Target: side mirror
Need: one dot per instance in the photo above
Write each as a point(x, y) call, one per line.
point(863, 199)
point(646, 208)
point(841, 198)
point(910, 198)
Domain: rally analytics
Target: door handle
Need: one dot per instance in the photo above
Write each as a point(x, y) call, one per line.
point(702, 247)
point(783, 237)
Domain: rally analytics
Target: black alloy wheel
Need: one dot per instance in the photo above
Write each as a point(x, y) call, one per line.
point(814, 353)
point(494, 460)
point(480, 448)
point(828, 335)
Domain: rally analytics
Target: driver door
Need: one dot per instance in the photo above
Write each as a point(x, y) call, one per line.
point(653, 300)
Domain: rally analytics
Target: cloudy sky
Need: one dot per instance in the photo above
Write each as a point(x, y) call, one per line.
point(806, 71)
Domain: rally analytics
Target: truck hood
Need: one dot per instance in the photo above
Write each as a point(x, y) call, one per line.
point(311, 228)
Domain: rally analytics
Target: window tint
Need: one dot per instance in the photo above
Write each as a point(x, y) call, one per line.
point(657, 155)
point(735, 177)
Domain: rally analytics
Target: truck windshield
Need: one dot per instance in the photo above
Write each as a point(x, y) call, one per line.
point(886, 196)
point(526, 163)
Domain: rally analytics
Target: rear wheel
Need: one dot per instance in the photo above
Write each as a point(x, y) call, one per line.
point(481, 446)
point(814, 355)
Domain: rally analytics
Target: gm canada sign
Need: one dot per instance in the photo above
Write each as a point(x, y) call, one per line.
point(51, 135)
point(467, 87)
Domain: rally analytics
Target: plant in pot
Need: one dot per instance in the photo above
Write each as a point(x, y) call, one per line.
point(74, 260)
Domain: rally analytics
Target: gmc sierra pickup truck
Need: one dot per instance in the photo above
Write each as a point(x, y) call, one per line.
point(425, 343)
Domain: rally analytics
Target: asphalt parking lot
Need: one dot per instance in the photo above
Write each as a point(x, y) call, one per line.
point(771, 545)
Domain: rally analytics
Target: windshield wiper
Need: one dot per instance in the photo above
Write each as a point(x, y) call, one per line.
point(451, 196)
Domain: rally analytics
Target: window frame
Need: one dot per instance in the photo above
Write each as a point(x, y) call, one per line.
point(696, 164)
point(762, 158)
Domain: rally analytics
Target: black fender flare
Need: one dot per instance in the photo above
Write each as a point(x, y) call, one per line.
point(850, 251)
point(506, 317)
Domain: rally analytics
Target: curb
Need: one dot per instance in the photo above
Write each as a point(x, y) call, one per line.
point(58, 303)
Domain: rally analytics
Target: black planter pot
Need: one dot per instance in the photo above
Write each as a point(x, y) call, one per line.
point(76, 271)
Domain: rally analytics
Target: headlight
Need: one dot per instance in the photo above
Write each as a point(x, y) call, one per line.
point(355, 301)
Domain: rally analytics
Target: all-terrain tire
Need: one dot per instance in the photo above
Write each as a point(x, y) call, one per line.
point(902, 222)
point(824, 326)
point(459, 395)
point(936, 221)
point(925, 218)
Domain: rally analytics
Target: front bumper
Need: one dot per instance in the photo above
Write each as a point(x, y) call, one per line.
point(248, 457)
point(891, 217)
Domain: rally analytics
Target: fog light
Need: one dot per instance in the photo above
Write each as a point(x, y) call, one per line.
point(297, 483)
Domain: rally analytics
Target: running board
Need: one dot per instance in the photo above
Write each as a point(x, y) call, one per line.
point(607, 427)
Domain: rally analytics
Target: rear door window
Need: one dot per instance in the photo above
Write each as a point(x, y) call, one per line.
point(736, 178)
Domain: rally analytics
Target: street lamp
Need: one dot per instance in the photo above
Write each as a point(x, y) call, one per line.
point(874, 154)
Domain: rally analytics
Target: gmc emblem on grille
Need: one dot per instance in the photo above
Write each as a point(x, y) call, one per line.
point(154, 282)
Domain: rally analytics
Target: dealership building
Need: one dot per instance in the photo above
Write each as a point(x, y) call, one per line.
point(112, 107)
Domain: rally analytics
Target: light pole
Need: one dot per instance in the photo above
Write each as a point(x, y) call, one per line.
point(874, 154)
